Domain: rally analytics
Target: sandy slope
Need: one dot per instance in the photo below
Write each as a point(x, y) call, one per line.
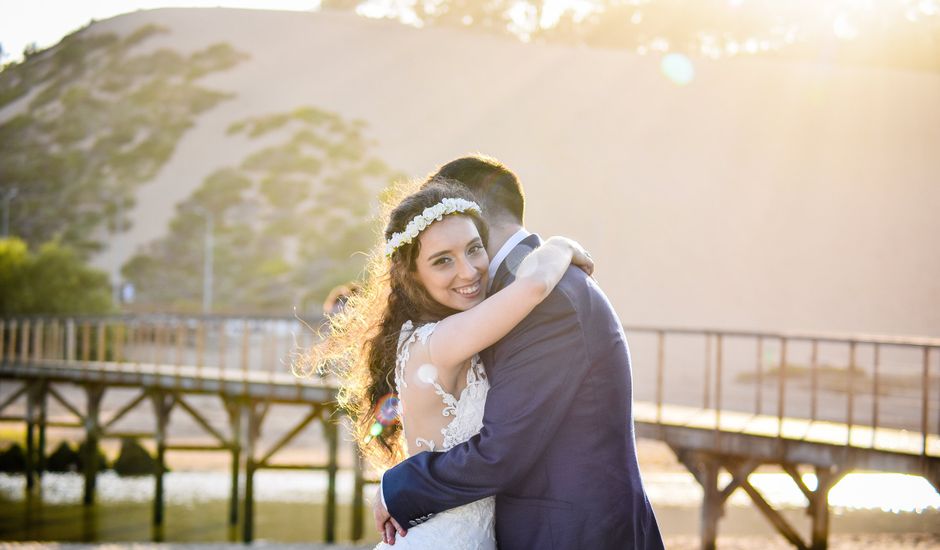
point(764, 194)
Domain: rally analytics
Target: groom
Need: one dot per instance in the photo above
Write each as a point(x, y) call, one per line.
point(557, 446)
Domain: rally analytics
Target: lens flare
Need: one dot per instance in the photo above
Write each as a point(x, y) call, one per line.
point(843, 28)
point(427, 373)
point(387, 411)
point(677, 68)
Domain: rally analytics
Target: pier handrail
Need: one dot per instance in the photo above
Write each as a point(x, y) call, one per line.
point(716, 339)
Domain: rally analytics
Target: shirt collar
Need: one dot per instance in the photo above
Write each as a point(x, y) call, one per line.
point(504, 251)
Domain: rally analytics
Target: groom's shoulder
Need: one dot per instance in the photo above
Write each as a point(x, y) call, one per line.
point(582, 294)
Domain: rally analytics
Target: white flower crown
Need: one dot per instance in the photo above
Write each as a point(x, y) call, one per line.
point(430, 215)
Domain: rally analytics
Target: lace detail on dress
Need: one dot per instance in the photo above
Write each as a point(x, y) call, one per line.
point(467, 527)
point(429, 443)
point(409, 335)
point(466, 410)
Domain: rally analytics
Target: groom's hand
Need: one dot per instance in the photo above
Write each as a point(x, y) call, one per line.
point(385, 524)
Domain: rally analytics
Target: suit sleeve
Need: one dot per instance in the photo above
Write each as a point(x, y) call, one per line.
point(541, 364)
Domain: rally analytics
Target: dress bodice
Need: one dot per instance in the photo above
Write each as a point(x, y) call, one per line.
point(467, 527)
point(465, 410)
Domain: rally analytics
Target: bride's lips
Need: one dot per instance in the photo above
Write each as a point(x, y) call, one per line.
point(470, 291)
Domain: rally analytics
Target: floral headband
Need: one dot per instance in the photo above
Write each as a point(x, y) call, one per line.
point(430, 215)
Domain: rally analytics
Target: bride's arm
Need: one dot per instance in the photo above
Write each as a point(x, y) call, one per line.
point(461, 335)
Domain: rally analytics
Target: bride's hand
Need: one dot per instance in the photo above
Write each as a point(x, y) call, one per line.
point(580, 257)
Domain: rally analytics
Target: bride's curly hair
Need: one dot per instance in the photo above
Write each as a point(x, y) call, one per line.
point(362, 344)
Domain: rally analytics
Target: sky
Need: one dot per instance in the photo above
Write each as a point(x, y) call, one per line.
point(45, 22)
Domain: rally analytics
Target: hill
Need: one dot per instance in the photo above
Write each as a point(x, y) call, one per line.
point(763, 194)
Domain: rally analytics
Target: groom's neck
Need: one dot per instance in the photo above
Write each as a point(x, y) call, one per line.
point(499, 234)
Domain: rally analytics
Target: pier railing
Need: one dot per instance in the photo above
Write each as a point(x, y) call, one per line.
point(857, 387)
point(224, 342)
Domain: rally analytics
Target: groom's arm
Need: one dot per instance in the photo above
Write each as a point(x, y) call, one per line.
point(541, 364)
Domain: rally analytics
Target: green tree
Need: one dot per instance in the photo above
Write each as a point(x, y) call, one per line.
point(102, 120)
point(287, 221)
point(52, 281)
point(893, 33)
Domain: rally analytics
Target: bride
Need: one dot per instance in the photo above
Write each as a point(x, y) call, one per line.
point(405, 347)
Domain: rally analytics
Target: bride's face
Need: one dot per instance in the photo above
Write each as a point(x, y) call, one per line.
point(452, 263)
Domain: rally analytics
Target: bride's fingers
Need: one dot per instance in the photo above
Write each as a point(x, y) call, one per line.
point(585, 262)
point(389, 534)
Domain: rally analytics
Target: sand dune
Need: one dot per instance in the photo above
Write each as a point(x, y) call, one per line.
point(764, 194)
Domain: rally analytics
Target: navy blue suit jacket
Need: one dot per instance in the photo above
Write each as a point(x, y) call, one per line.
point(557, 446)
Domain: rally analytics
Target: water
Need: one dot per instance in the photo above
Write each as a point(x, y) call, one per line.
point(290, 506)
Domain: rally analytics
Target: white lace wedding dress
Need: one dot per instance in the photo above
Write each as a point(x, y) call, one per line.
point(467, 527)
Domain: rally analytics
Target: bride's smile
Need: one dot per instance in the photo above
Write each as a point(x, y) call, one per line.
point(452, 263)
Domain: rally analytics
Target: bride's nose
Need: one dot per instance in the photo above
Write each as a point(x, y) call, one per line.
point(467, 270)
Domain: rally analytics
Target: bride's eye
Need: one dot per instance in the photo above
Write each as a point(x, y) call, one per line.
point(441, 261)
point(475, 249)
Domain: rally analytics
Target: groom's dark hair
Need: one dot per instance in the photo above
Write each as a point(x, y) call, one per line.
point(495, 187)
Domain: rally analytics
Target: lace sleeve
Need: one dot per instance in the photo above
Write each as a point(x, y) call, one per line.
point(409, 335)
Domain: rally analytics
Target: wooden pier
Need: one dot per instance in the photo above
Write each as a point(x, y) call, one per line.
point(96, 355)
point(835, 424)
point(722, 400)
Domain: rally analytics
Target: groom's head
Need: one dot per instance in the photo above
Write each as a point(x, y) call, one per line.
point(495, 187)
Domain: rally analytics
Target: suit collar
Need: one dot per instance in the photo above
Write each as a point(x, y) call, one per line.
point(505, 274)
point(500, 255)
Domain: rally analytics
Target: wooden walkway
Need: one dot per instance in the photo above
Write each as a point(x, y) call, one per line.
point(247, 395)
point(94, 355)
point(880, 449)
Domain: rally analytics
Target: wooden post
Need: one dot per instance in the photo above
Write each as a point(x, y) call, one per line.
point(200, 346)
point(850, 401)
point(119, 333)
point(223, 343)
point(24, 350)
point(94, 394)
point(925, 406)
point(56, 344)
point(30, 470)
point(11, 345)
point(42, 398)
point(102, 328)
point(332, 434)
point(758, 390)
point(86, 341)
point(70, 341)
point(250, 421)
point(38, 340)
point(706, 388)
point(179, 337)
point(162, 404)
point(234, 415)
point(358, 502)
point(814, 381)
point(781, 388)
point(705, 468)
point(819, 507)
point(246, 333)
point(660, 372)
point(711, 503)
